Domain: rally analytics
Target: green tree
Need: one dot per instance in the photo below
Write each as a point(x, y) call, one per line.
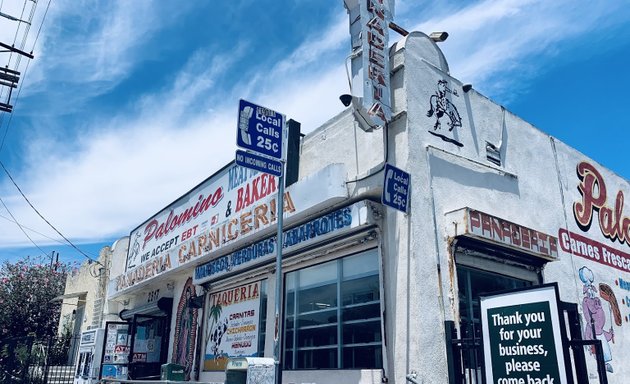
point(26, 288)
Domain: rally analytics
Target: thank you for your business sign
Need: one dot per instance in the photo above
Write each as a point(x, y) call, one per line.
point(522, 340)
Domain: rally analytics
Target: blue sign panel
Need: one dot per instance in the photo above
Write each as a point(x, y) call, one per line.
point(259, 163)
point(260, 129)
point(396, 188)
point(265, 250)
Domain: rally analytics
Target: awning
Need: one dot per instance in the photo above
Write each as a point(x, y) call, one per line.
point(161, 307)
point(69, 296)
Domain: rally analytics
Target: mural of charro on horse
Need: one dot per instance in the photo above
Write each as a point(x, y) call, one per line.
point(440, 106)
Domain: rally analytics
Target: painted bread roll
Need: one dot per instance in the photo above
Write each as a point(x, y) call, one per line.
point(607, 294)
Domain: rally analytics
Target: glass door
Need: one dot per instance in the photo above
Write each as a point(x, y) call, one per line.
point(149, 342)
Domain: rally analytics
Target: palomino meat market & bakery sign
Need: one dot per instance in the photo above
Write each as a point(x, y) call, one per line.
point(229, 206)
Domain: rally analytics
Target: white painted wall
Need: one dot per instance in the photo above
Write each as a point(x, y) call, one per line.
point(535, 186)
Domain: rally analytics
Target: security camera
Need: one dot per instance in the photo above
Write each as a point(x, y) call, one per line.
point(346, 99)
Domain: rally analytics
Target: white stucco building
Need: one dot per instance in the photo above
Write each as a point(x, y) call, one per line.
point(369, 291)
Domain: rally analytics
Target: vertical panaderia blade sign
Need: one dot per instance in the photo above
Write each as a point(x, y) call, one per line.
point(369, 31)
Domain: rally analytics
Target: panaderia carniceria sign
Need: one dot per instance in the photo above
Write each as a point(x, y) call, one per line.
point(226, 208)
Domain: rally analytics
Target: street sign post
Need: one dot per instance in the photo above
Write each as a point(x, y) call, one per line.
point(259, 163)
point(260, 130)
point(396, 188)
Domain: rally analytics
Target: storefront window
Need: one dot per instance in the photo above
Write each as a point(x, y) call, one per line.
point(473, 282)
point(332, 315)
point(263, 318)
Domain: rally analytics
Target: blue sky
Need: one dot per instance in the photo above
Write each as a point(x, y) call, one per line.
point(129, 104)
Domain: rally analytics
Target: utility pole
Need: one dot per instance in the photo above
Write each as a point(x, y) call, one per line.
point(54, 261)
point(10, 77)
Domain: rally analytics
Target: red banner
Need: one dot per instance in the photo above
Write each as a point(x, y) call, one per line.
point(593, 250)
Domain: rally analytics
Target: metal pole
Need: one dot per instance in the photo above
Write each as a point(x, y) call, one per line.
point(279, 243)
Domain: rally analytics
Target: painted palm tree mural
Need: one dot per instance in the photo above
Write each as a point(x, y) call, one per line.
point(217, 329)
point(215, 313)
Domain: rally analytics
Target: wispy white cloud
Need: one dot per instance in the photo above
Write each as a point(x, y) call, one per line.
point(306, 85)
point(492, 39)
point(317, 47)
point(88, 47)
point(121, 168)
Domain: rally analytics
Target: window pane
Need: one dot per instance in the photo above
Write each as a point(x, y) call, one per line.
point(362, 312)
point(289, 281)
point(317, 358)
point(288, 359)
point(290, 303)
point(289, 323)
point(288, 339)
point(364, 332)
point(369, 357)
point(318, 337)
point(359, 265)
point(361, 290)
point(318, 298)
point(318, 275)
point(262, 326)
point(317, 318)
point(473, 282)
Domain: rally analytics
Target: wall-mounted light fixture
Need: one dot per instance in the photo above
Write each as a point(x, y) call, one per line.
point(438, 37)
point(196, 302)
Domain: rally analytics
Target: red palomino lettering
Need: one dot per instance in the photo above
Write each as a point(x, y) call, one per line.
point(592, 187)
point(593, 191)
point(156, 230)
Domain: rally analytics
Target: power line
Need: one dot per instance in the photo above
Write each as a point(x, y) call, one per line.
point(41, 234)
point(43, 218)
point(33, 230)
point(21, 21)
point(22, 229)
point(40, 26)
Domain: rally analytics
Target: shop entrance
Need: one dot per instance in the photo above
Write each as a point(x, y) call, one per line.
point(149, 344)
point(481, 270)
point(136, 348)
